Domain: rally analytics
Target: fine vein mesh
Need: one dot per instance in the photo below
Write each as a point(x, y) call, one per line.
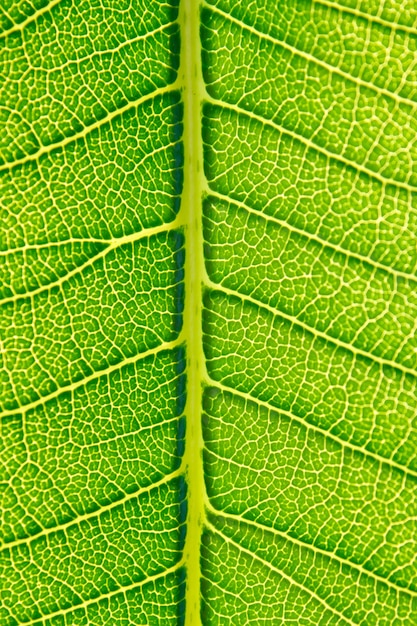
point(92, 378)
point(309, 360)
point(309, 224)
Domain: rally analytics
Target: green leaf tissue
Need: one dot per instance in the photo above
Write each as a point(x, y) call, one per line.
point(208, 313)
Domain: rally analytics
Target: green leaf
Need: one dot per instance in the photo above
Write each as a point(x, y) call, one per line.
point(208, 313)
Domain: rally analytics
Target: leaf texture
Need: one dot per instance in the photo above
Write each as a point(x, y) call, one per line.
point(208, 313)
point(92, 385)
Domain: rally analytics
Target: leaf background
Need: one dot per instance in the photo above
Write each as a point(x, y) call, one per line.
point(208, 313)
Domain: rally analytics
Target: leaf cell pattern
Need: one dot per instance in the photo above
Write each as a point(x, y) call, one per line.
point(309, 313)
point(304, 189)
point(92, 384)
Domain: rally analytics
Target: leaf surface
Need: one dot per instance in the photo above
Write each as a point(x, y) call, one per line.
point(208, 313)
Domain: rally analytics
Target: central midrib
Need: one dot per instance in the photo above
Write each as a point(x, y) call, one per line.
point(192, 93)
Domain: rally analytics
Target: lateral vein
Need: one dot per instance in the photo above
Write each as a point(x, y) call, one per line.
point(362, 169)
point(381, 460)
point(376, 19)
point(313, 59)
point(166, 345)
point(112, 245)
point(302, 544)
point(10, 545)
point(295, 321)
point(35, 156)
point(323, 242)
point(104, 596)
point(288, 578)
